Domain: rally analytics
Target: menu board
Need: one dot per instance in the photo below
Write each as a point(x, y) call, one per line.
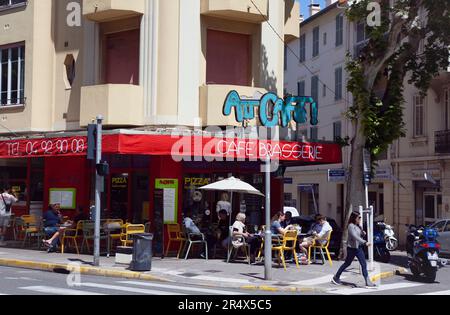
point(170, 199)
point(66, 197)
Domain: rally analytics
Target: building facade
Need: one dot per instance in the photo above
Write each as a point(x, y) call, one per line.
point(411, 182)
point(150, 68)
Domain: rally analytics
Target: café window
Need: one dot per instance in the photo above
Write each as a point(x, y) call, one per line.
point(12, 75)
point(14, 176)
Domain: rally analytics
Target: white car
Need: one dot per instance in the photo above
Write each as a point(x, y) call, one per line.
point(443, 228)
point(291, 210)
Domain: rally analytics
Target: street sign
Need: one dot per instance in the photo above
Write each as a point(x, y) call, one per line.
point(337, 175)
point(367, 166)
point(288, 180)
point(383, 174)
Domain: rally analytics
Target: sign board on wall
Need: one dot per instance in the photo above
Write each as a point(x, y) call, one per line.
point(337, 175)
point(66, 197)
point(170, 198)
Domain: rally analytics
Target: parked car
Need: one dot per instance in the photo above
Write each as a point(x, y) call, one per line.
point(443, 229)
point(306, 223)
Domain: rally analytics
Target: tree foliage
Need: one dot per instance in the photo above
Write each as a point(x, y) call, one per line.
point(392, 53)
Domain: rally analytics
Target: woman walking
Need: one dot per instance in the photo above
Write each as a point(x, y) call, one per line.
point(354, 249)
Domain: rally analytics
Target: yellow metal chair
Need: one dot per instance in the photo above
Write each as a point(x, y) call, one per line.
point(321, 247)
point(31, 228)
point(175, 235)
point(72, 235)
point(288, 244)
point(131, 229)
point(114, 229)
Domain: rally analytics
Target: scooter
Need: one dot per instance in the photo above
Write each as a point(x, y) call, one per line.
point(389, 235)
point(380, 252)
point(423, 252)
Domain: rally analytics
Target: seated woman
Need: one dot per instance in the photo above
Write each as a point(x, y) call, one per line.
point(277, 229)
point(239, 231)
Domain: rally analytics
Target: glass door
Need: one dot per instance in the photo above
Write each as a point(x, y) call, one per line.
point(119, 195)
point(430, 207)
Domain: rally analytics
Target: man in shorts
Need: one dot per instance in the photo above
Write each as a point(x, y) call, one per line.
point(6, 201)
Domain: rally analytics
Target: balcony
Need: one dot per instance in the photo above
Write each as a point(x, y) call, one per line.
point(120, 104)
point(442, 142)
point(108, 10)
point(241, 10)
point(292, 21)
point(212, 99)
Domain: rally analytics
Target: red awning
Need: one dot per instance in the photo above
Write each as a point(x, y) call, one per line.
point(177, 146)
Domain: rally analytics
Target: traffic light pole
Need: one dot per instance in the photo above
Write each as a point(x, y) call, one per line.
point(98, 185)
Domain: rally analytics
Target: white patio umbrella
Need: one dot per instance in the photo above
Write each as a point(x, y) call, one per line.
point(232, 185)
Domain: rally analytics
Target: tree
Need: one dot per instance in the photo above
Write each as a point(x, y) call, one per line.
point(393, 55)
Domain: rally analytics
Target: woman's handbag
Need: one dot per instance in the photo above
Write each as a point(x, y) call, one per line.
point(7, 205)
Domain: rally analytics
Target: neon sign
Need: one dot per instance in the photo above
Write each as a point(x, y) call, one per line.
point(293, 107)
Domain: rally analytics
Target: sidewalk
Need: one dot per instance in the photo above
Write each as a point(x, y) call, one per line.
point(213, 273)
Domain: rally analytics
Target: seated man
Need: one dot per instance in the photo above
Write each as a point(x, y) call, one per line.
point(319, 232)
point(223, 231)
point(191, 228)
point(52, 220)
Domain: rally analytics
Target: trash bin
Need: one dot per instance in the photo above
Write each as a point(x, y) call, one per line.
point(142, 252)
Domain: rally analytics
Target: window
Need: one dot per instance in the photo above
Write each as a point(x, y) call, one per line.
point(324, 39)
point(6, 4)
point(337, 130)
point(314, 133)
point(315, 42)
point(302, 48)
point(419, 116)
point(285, 58)
point(301, 88)
point(338, 83)
point(339, 30)
point(12, 75)
point(228, 58)
point(315, 88)
point(360, 31)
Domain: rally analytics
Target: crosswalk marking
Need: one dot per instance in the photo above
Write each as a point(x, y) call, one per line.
point(129, 289)
point(166, 286)
point(394, 286)
point(59, 291)
point(447, 292)
point(316, 281)
point(220, 279)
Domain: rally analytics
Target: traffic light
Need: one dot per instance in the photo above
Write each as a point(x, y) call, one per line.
point(92, 142)
point(102, 168)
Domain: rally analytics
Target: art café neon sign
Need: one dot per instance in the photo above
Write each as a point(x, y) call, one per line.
point(282, 109)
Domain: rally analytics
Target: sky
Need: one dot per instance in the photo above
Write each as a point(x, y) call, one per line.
point(304, 9)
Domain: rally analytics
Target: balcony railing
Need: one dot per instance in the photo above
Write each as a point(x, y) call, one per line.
point(442, 141)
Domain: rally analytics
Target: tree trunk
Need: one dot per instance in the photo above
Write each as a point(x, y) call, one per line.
point(355, 195)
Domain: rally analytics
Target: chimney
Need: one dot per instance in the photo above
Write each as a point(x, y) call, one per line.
point(314, 8)
point(302, 18)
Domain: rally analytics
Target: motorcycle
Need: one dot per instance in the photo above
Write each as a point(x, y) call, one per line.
point(380, 252)
point(389, 235)
point(423, 252)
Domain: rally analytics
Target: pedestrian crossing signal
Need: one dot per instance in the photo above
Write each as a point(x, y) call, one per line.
point(92, 142)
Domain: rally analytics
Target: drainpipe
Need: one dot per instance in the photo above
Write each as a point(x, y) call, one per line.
point(154, 51)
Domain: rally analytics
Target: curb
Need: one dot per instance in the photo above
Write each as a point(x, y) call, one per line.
point(387, 274)
point(93, 271)
point(96, 271)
